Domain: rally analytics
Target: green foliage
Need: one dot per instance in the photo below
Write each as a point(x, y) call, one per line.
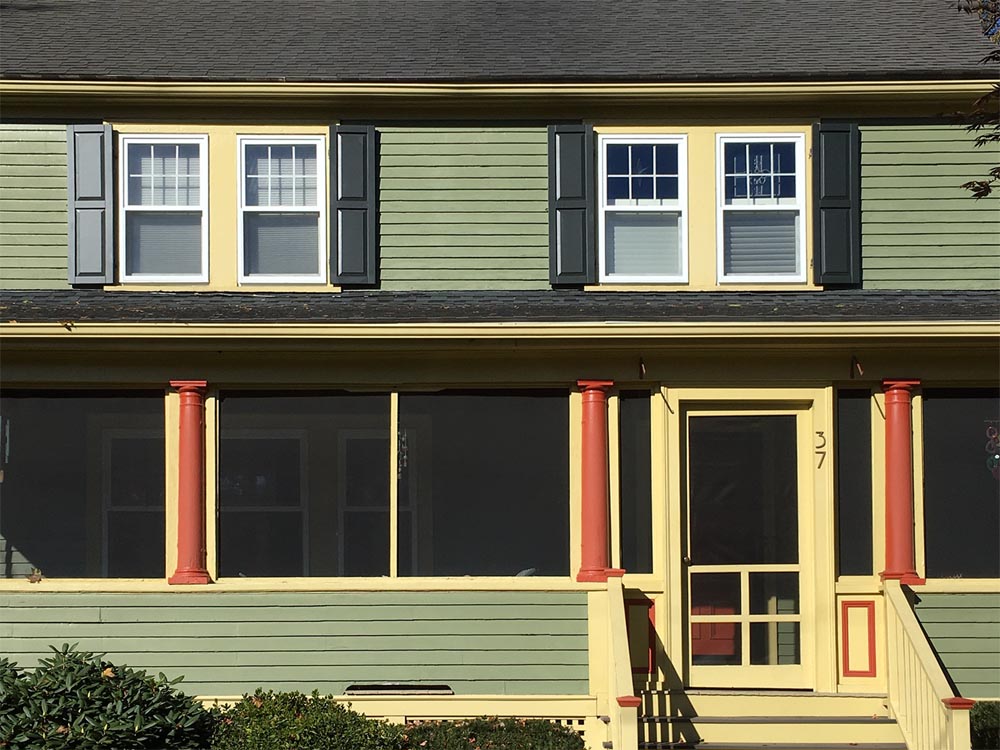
point(492, 733)
point(294, 721)
point(74, 699)
point(985, 720)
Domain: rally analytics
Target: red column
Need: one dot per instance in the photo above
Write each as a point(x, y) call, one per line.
point(594, 481)
point(191, 566)
point(900, 562)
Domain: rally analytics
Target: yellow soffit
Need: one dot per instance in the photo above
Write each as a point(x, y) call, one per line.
point(730, 331)
point(164, 91)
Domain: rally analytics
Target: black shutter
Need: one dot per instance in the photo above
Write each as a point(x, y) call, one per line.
point(571, 205)
point(354, 204)
point(837, 194)
point(90, 204)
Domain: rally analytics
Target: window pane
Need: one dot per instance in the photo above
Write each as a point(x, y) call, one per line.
point(715, 593)
point(643, 244)
point(774, 593)
point(281, 244)
point(276, 175)
point(636, 482)
point(303, 482)
point(642, 159)
point(760, 242)
point(617, 159)
point(784, 158)
point(617, 189)
point(666, 188)
point(784, 187)
point(743, 490)
point(666, 158)
point(163, 242)
point(489, 472)
point(961, 491)
point(71, 462)
point(774, 643)
point(853, 452)
point(760, 158)
point(735, 158)
point(642, 187)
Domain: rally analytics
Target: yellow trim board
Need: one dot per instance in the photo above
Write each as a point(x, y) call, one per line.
point(230, 585)
point(243, 92)
point(727, 330)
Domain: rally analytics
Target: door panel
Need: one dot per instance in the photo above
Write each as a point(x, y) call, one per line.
point(745, 558)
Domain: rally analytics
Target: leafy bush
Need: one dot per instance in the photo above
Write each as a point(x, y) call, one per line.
point(295, 721)
point(491, 733)
point(985, 720)
point(76, 700)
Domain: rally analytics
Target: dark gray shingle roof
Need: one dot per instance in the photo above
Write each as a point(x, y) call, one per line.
point(487, 40)
point(86, 306)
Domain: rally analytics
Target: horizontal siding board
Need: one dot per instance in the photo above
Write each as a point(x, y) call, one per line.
point(917, 251)
point(964, 630)
point(933, 285)
point(456, 201)
point(33, 213)
point(477, 642)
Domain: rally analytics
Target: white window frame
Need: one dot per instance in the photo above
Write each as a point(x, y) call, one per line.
point(124, 141)
point(799, 140)
point(681, 207)
point(319, 142)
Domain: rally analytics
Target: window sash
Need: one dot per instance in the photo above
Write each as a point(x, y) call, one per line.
point(655, 205)
point(789, 205)
point(318, 208)
point(125, 207)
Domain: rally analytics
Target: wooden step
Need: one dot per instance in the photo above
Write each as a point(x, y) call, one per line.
point(761, 703)
point(763, 729)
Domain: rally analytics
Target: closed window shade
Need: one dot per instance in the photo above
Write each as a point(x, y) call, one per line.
point(761, 242)
point(647, 243)
point(279, 243)
point(163, 242)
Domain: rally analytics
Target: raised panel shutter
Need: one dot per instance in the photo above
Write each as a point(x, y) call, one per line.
point(837, 193)
point(571, 205)
point(354, 209)
point(90, 204)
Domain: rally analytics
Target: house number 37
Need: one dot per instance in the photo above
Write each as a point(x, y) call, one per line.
point(820, 448)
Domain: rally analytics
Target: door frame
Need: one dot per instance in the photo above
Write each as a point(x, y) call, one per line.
point(814, 418)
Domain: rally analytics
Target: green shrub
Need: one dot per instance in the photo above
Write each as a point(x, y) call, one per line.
point(491, 733)
point(295, 721)
point(985, 720)
point(76, 700)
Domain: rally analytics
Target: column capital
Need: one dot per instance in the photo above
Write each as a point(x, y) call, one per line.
point(187, 386)
point(899, 384)
point(595, 385)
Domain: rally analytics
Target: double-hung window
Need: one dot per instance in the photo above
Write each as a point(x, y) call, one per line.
point(643, 208)
point(761, 216)
point(282, 234)
point(164, 201)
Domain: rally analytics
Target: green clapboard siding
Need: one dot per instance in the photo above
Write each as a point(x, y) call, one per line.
point(964, 630)
point(920, 229)
point(514, 643)
point(463, 208)
point(33, 207)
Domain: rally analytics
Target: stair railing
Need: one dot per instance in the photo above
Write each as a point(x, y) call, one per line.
point(928, 713)
point(624, 704)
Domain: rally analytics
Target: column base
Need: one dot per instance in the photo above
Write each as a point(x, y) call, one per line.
point(910, 578)
point(599, 575)
point(190, 577)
